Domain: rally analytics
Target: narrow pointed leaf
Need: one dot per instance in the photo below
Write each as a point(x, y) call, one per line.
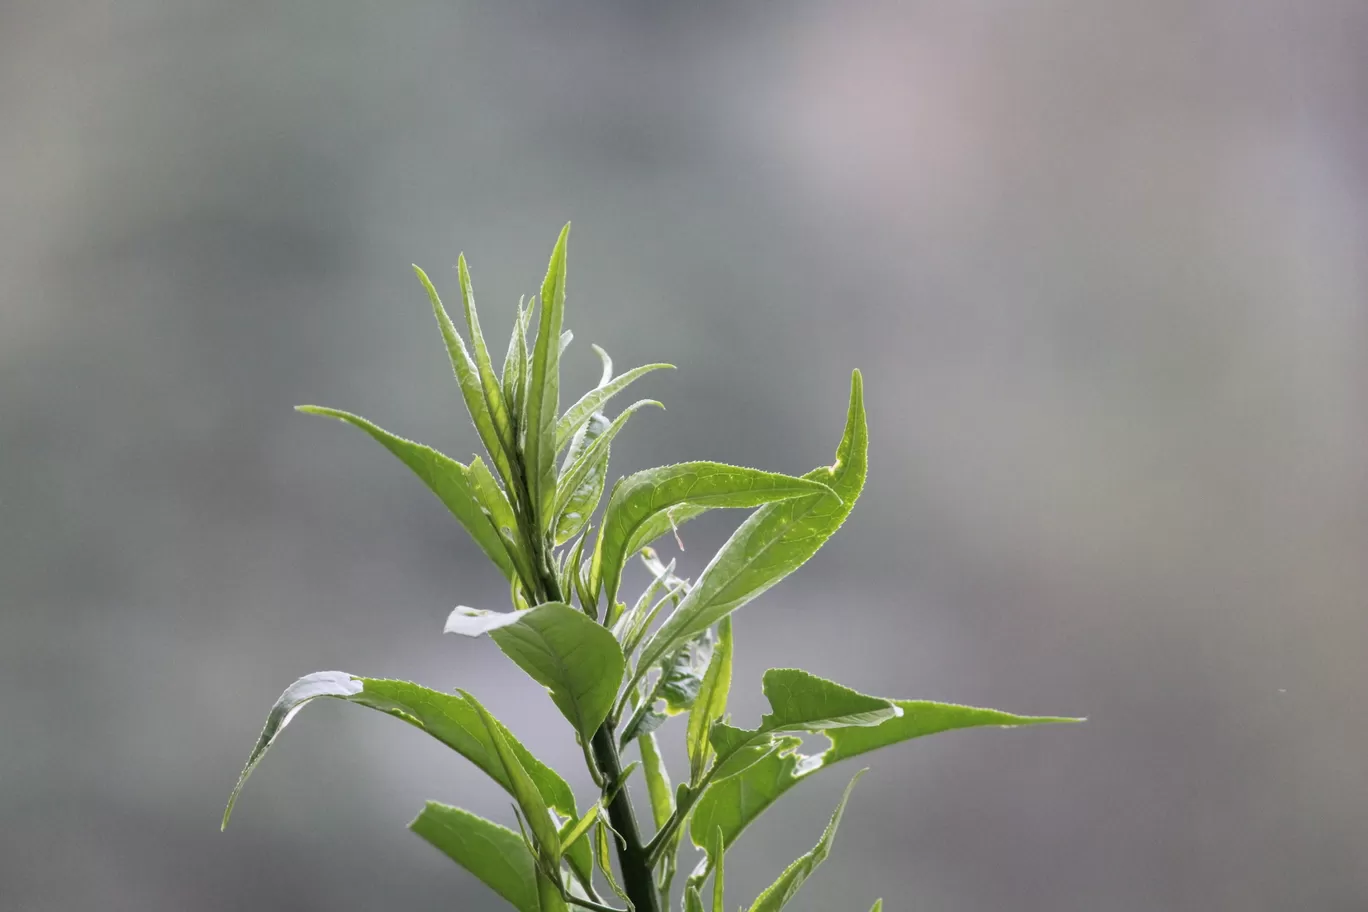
point(549, 894)
point(495, 502)
point(778, 894)
point(595, 455)
point(444, 476)
point(878, 906)
point(572, 832)
point(773, 541)
point(650, 495)
point(604, 378)
point(543, 390)
point(566, 338)
point(693, 902)
point(521, 786)
point(468, 378)
point(489, 381)
point(494, 854)
point(733, 803)
point(594, 400)
point(711, 704)
point(452, 719)
point(515, 372)
point(578, 661)
point(603, 855)
point(804, 702)
point(581, 503)
point(718, 851)
point(658, 786)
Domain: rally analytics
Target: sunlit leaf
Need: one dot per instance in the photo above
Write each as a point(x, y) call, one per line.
point(657, 780)
point(718, 851)
point(444, 476)
point(711, 703)
point(453, 719)
point(489, 381)
point(515, 373)
point(594, 458)
point(773, 541)
point(594, 400)
point(644, 496)
point(543, 390)
point(578, 661)
point(778, 894)
point(521, 786)
point(584, 499)
point(804, 702)
point(494, 854)
point(602, 855)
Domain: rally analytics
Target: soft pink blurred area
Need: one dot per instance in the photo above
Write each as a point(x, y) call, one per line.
point(1105, 267)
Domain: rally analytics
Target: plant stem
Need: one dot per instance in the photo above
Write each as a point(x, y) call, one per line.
point(637, 880)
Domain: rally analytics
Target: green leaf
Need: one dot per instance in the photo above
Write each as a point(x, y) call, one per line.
point(603, 856)
point(578, 661)
point(523, 789)
point(454, 720)
point(773, 541)
point(778, 894)
point(711, 704)
point(734, 802)
point(500, 512)
point(644, 720)
point(444, 476)
point(543, 391)
point(549, 893)
point(489, 381)
point(472, 389)
point(693, 902)
point(515, 372)
point(633, 624)
point(644, 496)
point(583, 500)
point(657, 780)
point(494, 854)
point(570, 483)
point(804, 702)
point(594, 400)
point(878, 906)
point(681, 675)
point(718, 852)
point(604, 379)
point(573, 831)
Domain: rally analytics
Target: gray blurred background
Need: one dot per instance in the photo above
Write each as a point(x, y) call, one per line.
point(1104, 266)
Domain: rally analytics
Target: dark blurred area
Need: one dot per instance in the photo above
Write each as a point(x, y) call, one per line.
point(1104, 266)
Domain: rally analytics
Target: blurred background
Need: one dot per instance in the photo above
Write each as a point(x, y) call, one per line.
point(1104, 266)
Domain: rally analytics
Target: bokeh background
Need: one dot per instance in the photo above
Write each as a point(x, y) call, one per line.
point(1104, 266)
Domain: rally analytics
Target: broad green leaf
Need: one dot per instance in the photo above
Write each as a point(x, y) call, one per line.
point(657, 780)
point(778, 894)
point(578, 661)
point(583, 500)
point(453, 719)
point(711, 704)
point(543, 391)
point(594, 400)
point(645, 496)
point(524, 791)
point(515, 372)
point(444, 476)
point(489, 381)
point(804, 702)
point(472, 389)
point(494, 854)
point(774, 540)
point(733, 803)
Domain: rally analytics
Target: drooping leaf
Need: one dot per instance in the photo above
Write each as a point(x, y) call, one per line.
point(778, 894)
point(644, 496)
point(494, 854)
point(603, 856)
point(474, 622)
point(734, 802)
point(711, 704)
point(578, 661)
point(524, 791)
point(472, 389)
point(489, 381)
point(646, 719)
point(604, 378)
point(583, 500)
point(657, 780)
point(543, 391)
point(595, 455)
point(594, 400)
point(453, 719)
point(773, 541)
point(444, 476)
